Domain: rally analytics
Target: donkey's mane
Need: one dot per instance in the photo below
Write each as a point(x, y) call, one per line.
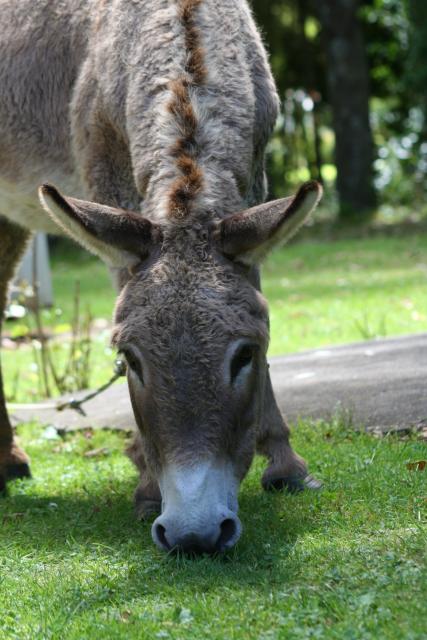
point(184, 151)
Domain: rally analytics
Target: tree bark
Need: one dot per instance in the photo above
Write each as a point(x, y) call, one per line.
point(348, 86)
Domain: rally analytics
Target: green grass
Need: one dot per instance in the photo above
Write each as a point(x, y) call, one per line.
point(344, 291)
point(320, 293)
point(71, 264)
point(348, 562)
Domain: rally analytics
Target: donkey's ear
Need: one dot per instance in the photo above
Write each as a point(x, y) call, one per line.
point(120, 237)
point(249, 235)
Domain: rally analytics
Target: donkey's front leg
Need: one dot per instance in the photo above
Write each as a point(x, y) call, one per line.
point(147, 497)
point(286, 470)
point(14, 462)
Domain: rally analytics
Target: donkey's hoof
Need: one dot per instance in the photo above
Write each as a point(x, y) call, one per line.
point(3, 487)
point(292, 484)
point(16, 470)
point(13, 471)
point(14, 464)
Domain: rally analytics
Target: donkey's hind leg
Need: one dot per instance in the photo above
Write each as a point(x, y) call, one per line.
point(286, 469)
point(14, 462)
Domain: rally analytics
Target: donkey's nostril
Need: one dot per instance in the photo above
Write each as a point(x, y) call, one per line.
point(210, 536)
point(160, 533)
point(227, 537)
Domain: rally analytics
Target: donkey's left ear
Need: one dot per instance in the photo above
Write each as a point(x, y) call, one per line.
point(249, 235)
point(120, 237)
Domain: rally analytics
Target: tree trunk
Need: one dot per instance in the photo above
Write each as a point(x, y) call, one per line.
point(348, 85)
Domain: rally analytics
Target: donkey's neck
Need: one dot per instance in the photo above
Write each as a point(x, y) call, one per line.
point(217, 195)
point(198, 175)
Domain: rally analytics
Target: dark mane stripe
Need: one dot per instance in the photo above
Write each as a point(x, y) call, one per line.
point(189, 183)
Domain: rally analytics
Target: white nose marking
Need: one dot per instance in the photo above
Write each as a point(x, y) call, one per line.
point(199, 507)
point(196, 487)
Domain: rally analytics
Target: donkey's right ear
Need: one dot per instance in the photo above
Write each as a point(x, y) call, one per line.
point(121, 238)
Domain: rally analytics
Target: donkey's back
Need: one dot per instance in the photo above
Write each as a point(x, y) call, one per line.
point(80, 79)
point(42, 46)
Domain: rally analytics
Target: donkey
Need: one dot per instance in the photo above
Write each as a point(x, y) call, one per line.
point(154, 115)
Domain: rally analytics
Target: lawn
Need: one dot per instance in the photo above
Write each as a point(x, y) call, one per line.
point(348, 562)
point(345, 291)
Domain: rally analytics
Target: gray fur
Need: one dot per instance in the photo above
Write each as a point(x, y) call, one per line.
point(85, 103)
point(84, 95)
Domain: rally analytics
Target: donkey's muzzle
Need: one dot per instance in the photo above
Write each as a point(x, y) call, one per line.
point(209, 539)
point(199, 508)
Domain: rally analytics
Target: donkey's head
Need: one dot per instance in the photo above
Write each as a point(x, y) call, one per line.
point(193, 328)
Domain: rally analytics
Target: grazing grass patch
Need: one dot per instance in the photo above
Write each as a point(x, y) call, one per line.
point(348, 562)
point(320, 293)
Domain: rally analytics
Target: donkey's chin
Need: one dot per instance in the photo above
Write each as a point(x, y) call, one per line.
point(199, 508)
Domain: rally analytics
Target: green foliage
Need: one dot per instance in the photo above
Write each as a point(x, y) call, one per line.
point(385, 26)
point(394, 47)
point(395, 34)
point(292, 36)
point(416, 64)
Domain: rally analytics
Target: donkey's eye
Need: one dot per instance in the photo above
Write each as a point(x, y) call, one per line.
point(241, 359)
point(133, 362)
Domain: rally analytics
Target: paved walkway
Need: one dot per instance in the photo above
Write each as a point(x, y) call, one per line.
point(381, 383)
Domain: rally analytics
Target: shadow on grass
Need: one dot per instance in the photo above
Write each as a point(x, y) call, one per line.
point(58, 525)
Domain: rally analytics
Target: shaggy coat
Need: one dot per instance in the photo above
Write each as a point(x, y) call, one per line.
point(154, 115)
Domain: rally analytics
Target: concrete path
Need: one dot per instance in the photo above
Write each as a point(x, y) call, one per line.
point(382, 384)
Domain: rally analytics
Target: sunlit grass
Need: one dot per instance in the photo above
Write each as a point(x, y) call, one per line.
point(346, 291)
